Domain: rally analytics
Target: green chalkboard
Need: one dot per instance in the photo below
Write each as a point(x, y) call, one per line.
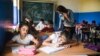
point(38, 10)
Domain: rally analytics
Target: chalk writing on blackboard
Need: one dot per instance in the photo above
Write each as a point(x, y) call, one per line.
point(38, 10)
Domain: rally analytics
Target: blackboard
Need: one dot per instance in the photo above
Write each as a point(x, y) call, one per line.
point(38, 10)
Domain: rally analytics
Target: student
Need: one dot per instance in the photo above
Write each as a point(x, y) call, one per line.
point(85, 32)
point(40, 25)
point(23, 38)
point(48, 27)
point(93, 24)
point(56, 39)
point(31, 25)
point(93, 32)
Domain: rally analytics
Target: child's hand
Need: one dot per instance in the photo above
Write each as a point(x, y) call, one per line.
point(67, 46)
point(60, 41)
point(23, 45)
point(54, 45)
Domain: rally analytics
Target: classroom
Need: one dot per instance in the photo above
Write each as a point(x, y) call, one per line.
point(49, 27)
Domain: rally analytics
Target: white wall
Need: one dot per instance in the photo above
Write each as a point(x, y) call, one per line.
point(81, 5)
point(70, 4)
point(89, 5)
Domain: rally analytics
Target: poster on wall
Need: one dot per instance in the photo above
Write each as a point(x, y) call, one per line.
point(38, 10)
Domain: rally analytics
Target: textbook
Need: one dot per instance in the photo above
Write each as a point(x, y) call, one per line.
point(49, 49)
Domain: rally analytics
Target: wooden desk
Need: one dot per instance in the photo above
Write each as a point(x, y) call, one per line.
point(73, 51)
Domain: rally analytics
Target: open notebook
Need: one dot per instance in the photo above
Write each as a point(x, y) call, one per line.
point(49, 49)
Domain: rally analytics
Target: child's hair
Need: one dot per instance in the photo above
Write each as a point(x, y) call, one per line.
point(42, 20)
point(23, 24)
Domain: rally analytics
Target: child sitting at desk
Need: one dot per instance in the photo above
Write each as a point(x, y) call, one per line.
point(23, 38)
point(56, 39)
point(40, 25)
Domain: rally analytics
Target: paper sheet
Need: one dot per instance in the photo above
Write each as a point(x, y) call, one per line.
point(15, 49)
point(49, 49)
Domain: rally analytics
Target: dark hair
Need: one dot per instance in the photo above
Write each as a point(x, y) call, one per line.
point(23, 24)
point(84, 21)
point(61, 8)
point(41, 19)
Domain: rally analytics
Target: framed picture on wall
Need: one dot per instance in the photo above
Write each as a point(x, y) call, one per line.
point(37, 10)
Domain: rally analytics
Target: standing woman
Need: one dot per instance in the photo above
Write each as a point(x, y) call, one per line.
point(66, 21)
point(58, 21)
